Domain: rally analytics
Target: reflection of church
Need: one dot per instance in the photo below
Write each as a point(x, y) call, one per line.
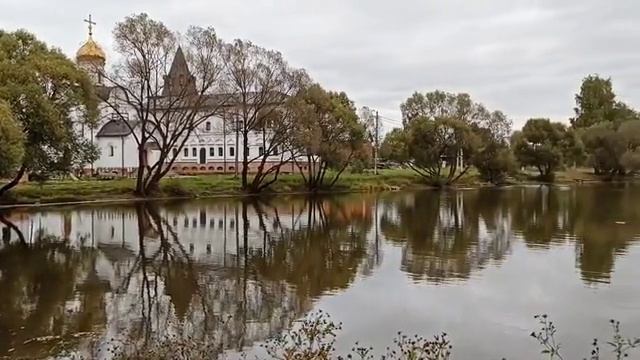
point(214, 147)
point(206, 271)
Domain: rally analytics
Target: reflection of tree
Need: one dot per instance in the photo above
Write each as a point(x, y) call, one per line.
point(48, 289)
point(232, 304)
point(326, 256)
point(156, 285)
point(443, 234)
point(593, 222)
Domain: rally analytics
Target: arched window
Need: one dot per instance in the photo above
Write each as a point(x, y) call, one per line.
point(112, 150)
point(194, 152)
point(186, 152)
point(207, 126)
point(260, 151)
point(232, 151)
point(175, 153)
point(212, 152)
point(220, 151)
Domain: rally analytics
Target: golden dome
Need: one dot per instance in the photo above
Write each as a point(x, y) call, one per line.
point(90, 50)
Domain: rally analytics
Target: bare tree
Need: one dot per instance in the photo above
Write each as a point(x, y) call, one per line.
point(168, 86)
point(260, 82)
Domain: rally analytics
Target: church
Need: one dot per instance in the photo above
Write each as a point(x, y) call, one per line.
point(212, 148)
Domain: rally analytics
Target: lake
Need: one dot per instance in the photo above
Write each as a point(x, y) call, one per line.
point(476, 264)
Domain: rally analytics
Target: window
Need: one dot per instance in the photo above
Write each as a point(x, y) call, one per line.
point(221, 151)
point(212, 152)
point(207, 126)
point(186, 152)
point(175, 153)
point(232, 151)
point(111, 150)
point(194, 152)
point(260, 151)
point(275, 150)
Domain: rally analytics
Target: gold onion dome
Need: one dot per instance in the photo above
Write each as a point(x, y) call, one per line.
point(90, 50)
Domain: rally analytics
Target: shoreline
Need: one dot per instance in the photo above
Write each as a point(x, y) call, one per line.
point(369, 185)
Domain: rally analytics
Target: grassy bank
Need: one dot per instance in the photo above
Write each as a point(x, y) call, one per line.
point(217, 185)
point(196, 186)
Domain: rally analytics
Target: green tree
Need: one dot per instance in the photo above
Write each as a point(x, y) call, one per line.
point(629, 132)
point(328, 132)
point(494, 161)
point(540, 144)
point(48, 96)
point(596, 102)
point(573, 150)
point(393, 146)
point(11, 142)
point(440, 104)
point(440, 150)
point(605, 147)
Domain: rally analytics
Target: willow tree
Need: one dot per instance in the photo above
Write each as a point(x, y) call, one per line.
point(47, 96)
point(163, 89)
point(261, 82)
point(328, 133)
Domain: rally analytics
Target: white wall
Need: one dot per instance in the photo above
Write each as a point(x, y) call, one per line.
point(115, 160)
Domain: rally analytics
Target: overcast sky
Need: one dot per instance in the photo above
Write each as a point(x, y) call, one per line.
point(523, 57)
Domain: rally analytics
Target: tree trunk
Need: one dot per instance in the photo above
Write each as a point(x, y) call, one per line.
point(15, 181)
point(245, 159)
point(140, 172)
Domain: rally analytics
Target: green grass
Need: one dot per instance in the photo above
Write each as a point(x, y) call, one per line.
point(216, 185)
point(195, 186)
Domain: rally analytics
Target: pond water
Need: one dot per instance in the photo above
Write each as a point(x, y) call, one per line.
point(477, 264)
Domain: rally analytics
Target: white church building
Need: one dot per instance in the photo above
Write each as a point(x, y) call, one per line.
point(212, 148)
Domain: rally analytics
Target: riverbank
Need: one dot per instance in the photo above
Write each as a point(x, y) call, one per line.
point(196, 187)
point(70, 191)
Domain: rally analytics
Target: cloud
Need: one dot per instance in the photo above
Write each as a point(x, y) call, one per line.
point(523, 57)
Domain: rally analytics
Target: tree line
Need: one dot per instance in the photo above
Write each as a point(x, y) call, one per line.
point(445, 134)
point(45, 99)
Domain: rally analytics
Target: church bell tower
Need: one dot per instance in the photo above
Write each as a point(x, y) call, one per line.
point(91, 57)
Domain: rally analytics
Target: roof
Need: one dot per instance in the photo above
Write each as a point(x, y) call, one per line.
point(179, 80)
point(91, 50)
point(116, 128)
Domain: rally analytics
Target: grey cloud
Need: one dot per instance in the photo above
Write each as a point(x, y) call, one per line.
point(520, 56)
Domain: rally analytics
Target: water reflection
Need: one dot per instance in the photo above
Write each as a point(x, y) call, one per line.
point(447, 235)
point(229, 273)
point(232, 273)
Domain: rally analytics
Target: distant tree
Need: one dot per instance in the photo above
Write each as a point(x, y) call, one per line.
point(630, 134)
point(605, 147)
point(261, 82)
point(596, 102)
point(48, 96)
point(327, 132)
point(440, 104)
point(573, 150)
point(11, 142)
point(494, 159)
point(394, 146)
point(540, 145)
point(434, 149)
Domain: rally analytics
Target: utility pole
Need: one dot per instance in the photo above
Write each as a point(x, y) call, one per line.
point(375, 146)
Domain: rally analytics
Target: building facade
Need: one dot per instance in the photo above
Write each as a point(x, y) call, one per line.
point(214, 147)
